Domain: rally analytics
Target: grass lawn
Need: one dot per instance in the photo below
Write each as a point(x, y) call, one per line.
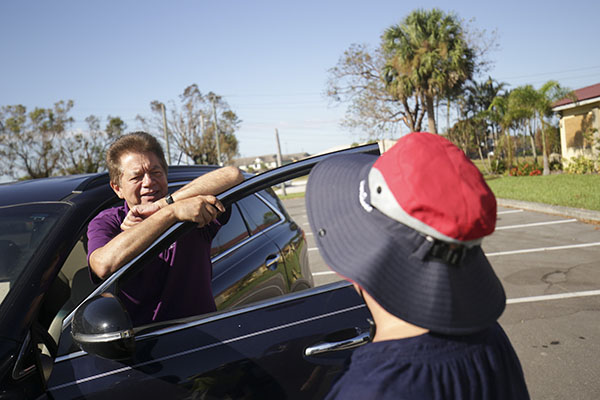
point(579, 191)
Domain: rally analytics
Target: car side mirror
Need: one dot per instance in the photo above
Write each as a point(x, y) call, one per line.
point(102, 326)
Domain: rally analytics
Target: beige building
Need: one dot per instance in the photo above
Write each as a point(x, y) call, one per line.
point(580, 123)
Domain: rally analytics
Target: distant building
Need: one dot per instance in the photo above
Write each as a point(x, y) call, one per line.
point(266, 162)
point(580, 123)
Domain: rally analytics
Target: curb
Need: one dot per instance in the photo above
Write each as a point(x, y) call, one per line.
point(579, 213)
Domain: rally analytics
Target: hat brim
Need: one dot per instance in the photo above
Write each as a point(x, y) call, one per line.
point(386, 258)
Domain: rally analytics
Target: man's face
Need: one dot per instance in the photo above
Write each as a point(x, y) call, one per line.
point(143, 179)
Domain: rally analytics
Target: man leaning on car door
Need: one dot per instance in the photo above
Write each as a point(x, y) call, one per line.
point(177, 283)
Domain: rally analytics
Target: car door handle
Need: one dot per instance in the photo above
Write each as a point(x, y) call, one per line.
point(272, 261)
point(326, 347)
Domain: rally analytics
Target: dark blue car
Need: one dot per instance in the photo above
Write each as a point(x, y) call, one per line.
point(274, 335)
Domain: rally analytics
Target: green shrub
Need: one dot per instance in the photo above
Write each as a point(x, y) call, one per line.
point(556, 165)
point(581, 165)
point(498, 166)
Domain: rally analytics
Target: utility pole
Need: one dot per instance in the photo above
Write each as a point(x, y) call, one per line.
point(166, 133)
point(279, 159)
point(212, 99)
point(204, 156)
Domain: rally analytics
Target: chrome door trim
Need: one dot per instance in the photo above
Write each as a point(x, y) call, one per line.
point(327, 347)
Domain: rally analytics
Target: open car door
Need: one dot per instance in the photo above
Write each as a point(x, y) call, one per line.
point(286, 347)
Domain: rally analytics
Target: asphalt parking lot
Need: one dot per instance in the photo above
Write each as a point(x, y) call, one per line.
point(550, 268)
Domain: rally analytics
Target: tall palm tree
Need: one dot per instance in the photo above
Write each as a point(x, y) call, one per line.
point(478, 99)
point(529, 102)
point(428, 55)
point(549, 93)
point(523, 100)
point(500, 112)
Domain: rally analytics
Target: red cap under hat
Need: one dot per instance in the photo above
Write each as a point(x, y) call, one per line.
point(428, 184)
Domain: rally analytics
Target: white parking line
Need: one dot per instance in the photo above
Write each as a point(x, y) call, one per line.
point(323, 273)
point(540, 249)
point(562, 221)
point(509, 212)
point(524, 251)
point(519, 300)
point(553, 297)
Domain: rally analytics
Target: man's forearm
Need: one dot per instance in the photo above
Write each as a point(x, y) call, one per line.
point(135, 237)
point(212, 183)
point(105, 260)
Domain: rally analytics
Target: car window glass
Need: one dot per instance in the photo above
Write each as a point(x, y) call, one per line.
point(258, 215)
point(294, 204)
point(230, 234)
point(23, 229)
point(272, 197)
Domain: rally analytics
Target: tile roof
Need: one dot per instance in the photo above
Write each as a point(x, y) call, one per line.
point(588, 92)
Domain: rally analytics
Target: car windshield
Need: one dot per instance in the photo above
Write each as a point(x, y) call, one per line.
point(23, 229)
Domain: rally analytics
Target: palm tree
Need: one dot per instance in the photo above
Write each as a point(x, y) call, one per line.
point(500, 112)
point(549, 93)
point(428, 55)
point(478, 98)
point(522, 102)
point(538, 104)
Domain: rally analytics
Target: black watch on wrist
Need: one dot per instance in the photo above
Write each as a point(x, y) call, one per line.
point(169, 199)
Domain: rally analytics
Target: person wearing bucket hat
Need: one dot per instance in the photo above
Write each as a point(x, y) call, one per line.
point(405, 228)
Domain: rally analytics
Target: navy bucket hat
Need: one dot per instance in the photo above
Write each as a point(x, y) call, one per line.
point(407, 227)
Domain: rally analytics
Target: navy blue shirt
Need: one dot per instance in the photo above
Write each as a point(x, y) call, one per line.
point(432, 366)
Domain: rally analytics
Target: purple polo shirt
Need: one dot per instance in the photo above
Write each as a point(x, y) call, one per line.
point(176, 284)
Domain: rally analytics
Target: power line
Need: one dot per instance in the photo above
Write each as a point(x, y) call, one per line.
point(563, 79)
point(549, 73)
point(273, 95)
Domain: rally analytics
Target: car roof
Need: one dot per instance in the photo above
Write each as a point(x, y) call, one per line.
point(59, 188)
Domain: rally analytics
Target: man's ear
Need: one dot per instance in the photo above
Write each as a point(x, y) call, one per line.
point(117, 189)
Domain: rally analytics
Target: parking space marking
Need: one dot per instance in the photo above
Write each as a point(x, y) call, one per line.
point(562, 221)
point(540, 249)
point(553, 297)
point(519, 300)
point(509, 212)
point(523, 251)
point(323, 273)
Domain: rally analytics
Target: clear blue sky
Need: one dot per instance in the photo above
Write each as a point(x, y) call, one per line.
point(269, 59)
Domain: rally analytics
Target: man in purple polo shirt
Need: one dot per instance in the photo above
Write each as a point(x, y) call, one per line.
point(177, 283)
